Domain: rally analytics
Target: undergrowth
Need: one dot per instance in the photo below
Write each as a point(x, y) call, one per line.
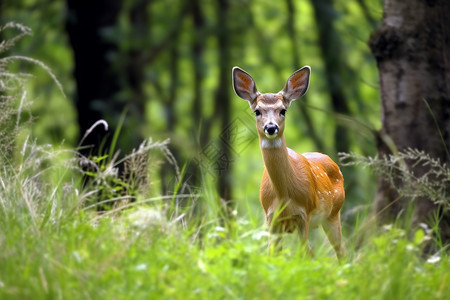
point(55, 244)
point(433, 183)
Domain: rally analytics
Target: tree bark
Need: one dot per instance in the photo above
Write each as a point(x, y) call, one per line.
point(97, 85)
point(412, 52)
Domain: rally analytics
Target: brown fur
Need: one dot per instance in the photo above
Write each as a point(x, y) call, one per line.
point(298, 191)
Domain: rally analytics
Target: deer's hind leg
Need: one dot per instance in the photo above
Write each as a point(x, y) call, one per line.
point(332, 228)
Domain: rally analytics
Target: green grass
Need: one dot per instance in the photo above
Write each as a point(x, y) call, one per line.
point(53, 248)
point(114, 259)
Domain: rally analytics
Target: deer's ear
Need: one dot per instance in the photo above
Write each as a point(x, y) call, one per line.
point(244, 85)
point(297, 85)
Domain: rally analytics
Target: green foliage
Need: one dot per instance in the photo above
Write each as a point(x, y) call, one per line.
point(161, 39)
point(142, 253)
point(11, 89)
point(111, 188)
point(400, 171)
point(56, 247)
point(45, 43)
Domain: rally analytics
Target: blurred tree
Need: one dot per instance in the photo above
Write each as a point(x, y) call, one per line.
point(97, 84)
point(412, 49)
point(132, 63)
point(170, 112)
point(198, 43)
point(169, 63)
point(290, 25)
point(335, 68)
point(222, 103)
point(200, 124)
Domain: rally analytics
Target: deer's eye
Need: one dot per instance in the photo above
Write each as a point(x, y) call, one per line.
point(257, 113)
point(283, 112)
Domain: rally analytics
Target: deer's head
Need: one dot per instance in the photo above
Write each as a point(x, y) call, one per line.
point(270, 109)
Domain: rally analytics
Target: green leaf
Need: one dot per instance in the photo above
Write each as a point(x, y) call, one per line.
point(418, 237)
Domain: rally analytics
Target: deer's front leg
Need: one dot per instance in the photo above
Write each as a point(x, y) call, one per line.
point(304, 232)
point(275, 235)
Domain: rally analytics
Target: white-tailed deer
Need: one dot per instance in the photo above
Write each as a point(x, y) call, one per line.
point(298, 191)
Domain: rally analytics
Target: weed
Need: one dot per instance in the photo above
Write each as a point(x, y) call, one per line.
point(56, 245)
point(433, 183)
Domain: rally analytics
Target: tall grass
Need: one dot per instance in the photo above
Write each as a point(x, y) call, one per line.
point(144, 253)
point(55, 244)
point(432, 183)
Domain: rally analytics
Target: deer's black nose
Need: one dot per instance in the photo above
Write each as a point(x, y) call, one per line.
point(271, 129)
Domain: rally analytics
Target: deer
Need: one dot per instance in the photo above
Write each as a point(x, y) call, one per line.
point(298, 191)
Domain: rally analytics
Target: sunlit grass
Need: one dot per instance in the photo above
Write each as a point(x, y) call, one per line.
point(55, 244)
point(115, 259)
point(54, 248)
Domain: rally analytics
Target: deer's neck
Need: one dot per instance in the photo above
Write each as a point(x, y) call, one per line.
point(276, 159)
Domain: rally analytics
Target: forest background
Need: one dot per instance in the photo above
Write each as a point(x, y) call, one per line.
point(168, 64)
point(74, 200)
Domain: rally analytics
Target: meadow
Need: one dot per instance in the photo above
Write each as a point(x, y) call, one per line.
point(55, 245)
point(72, 228)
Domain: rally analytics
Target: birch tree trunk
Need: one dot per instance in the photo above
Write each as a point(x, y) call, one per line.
point(412, 52)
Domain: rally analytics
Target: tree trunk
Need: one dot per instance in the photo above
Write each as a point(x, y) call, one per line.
point(167, 178)
point(201, 131)
point(330, 45)
point(133, 77)
point(310, 128)
point(96, 84)
point(223, 103)
point(412, 52)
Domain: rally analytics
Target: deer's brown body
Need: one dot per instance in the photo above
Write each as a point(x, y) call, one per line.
point(298, 191)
